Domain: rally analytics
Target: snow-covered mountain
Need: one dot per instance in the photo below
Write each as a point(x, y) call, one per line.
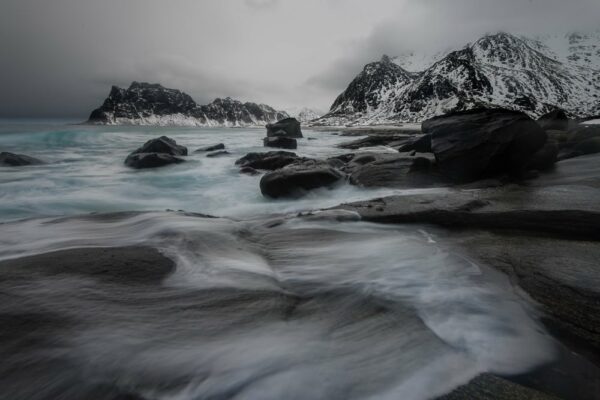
point(152, 104)
point(304, 114)
point(502, 70)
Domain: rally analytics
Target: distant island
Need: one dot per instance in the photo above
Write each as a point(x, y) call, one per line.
point(152, 104)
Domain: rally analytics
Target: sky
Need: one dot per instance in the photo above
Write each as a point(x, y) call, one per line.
point(59, 58)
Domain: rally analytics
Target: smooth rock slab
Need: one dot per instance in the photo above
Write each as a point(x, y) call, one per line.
point(271, 160)
point(214, 147)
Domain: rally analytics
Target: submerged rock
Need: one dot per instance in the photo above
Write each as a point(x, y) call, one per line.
point(214, 147)
point(17, 160)
point(473, 144)
point(288, 127)
point(220, 153)
point(281, 142)
point(295, 179)
point(270, 161)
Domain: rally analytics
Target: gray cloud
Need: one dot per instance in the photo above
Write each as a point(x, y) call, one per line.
point(60, 57)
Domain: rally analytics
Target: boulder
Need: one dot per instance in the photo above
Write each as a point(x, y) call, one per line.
point(156, 153)
point(249, 171)
point(214, 147)
point(220, 153)
point(387, 139)
point(281, 142)
point(151, 160)
point(555, 120)
point(270, 161)
point(469, 145)
point(17, 160)
point(288, 127)
point(163, 145)
point(295, 179)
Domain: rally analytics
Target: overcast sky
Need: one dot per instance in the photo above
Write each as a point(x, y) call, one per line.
point(60, 57)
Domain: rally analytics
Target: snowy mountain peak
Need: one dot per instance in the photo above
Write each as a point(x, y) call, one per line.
point(497, 70)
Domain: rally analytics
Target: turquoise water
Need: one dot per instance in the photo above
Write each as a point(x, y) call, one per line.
point(85, 172)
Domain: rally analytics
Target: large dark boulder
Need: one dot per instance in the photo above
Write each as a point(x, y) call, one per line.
point(156, 153)
point(295, 179)
point(288, 127)
point(151, 160)
point(281, 142)
point(17, 160)
point(473, 144)
point(163, 145)
point(545, 158)
point(270, 161)
point(555, 120)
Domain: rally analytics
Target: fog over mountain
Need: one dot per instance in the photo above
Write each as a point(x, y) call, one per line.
point(60, 58)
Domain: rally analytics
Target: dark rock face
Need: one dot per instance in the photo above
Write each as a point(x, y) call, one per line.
point(249, 171)
point(421, 144)
point(270, 161)
point(156, 153)
point(545, 158)
point(17, 160)
point(288, 127)
point(390, 170)
point(281, 142)
point(555, 120)
point(151, 160)
point(214, 147)
point(295, 179)
point(149, 104)
point(219, 153)
point(473, 144)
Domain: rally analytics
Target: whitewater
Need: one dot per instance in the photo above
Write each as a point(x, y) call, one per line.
point(266, 300)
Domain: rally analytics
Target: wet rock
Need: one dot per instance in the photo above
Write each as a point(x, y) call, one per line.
point(270, 161)
point(555, 120)
point(490, 387)
point(281, 142)
point(214, 147)
point(151, 160)
point(288, 127)
point(295, 179)
point(392, 170)
point(421, 144)
point(220, 153)
point(375, 140)
point(474, 144)
point(17, 160)
point(163, 145)
point(156, 153)
point(545, 158)
point(249, 171)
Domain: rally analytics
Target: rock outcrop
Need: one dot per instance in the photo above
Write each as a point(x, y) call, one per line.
point(152, 104)
point(473, 144)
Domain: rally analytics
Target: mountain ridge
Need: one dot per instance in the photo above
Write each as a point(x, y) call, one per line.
point(497, 70)
point(152, 104)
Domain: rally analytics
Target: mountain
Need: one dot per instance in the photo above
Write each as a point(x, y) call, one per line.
point(152, 104)
point(500, 70)
point(304, 115)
